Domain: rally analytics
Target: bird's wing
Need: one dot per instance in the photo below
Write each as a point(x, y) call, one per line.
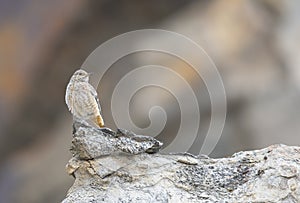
point(95, 95)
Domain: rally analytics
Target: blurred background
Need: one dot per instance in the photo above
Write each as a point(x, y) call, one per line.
point(255, 45)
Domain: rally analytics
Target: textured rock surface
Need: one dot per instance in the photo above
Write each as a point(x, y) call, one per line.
point(104, 173)
point(89, 142)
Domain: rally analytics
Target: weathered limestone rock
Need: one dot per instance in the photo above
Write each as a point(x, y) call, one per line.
point(104, 173)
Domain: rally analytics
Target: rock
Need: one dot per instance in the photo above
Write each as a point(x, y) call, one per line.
point(90, 142)
point(104, 173)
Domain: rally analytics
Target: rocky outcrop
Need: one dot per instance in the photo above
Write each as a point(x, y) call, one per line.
point(120, 166)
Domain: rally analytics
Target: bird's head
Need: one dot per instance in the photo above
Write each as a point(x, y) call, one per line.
point(81, 76)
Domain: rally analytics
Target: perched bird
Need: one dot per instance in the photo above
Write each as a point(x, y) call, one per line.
point(81, 98)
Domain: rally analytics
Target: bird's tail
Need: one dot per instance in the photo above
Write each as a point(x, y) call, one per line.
point(100, 121)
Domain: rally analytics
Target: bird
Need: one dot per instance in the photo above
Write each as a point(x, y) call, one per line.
point(82, 100)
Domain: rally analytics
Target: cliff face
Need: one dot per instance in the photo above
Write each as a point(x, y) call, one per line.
point(122, 167)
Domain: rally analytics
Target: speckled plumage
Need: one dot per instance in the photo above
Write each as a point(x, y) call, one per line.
point(81, 98)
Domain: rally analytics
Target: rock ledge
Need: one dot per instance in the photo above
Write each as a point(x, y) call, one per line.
point(123, 167)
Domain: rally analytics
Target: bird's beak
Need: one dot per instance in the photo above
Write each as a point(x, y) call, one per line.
point(91, 73)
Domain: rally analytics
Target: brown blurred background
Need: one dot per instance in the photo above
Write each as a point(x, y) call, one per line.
point(255, 45)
